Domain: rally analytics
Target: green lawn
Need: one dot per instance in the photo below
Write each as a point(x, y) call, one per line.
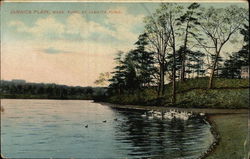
point(218, 98)
point(203, 83)
point(193, 93)
point(233, 131)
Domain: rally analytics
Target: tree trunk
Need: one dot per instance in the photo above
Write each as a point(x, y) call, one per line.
point(174, 62)
point(174, 73)
point(210, 84)
point(198, 70)
point(158, 89)
point(161, 84)
point(184, 54)
point(174, 84)
point(183, 70)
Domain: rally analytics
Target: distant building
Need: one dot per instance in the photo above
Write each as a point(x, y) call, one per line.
point(244, 72)
point(18, 81)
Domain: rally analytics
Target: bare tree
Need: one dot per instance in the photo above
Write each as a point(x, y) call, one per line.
point(161, 29)
point(171, 14)
point(218, 26)
point(158, 37)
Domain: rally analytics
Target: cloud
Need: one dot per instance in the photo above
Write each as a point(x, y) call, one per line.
point(77, 24)
point(42, 27)
point(19, 26)
point(76, 27)
point(53, 51)
point(83, 48)
point(124, 23)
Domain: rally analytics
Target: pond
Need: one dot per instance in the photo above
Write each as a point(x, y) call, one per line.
point(84, 129)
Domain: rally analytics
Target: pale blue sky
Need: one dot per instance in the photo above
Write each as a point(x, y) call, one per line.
point(69, 48)
point(30, 19)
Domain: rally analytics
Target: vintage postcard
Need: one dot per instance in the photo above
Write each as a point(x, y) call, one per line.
point(124, 79)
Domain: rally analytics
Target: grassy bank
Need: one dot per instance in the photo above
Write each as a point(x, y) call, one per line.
point(221, 98)
point(227, 93)
point(234, 137)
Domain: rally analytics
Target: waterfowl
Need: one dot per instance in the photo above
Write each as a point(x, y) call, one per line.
point(104, 121)
point(144, 115)
point(157, 115)
point(184, 115)
point(178, 115)
point(151, 111)
point(115, 119)
point(168, 115)
point(202, 114)
point(86, 126)
point(150, 117)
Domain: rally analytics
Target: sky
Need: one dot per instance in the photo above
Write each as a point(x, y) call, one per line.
point(68, 43)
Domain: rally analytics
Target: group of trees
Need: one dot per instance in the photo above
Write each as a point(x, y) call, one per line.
point(233, 64)
point(134, 69)
point(41, 90)
point(182, 42)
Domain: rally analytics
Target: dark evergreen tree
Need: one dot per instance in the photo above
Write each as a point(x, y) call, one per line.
point(117, 82)
point(131, 80)
point(134, 70)
point(195, 63)
point(143, 61)
point(232, 66)
point(188, 21)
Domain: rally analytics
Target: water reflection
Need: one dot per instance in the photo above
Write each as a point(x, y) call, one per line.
point(156, 138)
point(56, 129)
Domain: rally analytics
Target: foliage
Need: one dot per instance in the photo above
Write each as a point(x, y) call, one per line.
point(135, 69)
point(218, 26)
point(140, 97)
point(184, 43)
point(102, 79)
point(143, 61)
point(188, 23)
point(194, 63)
point(46, 91)
point(236, 60)
point(227, 93)
point(117, 83)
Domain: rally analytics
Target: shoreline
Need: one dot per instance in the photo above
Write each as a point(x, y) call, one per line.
point(208, 111)
point(208, 117)
point(216, 136)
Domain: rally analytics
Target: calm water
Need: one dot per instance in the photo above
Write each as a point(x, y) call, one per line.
point(56, 128)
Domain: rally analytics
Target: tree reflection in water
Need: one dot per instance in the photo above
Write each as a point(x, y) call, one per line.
point(156, 138)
